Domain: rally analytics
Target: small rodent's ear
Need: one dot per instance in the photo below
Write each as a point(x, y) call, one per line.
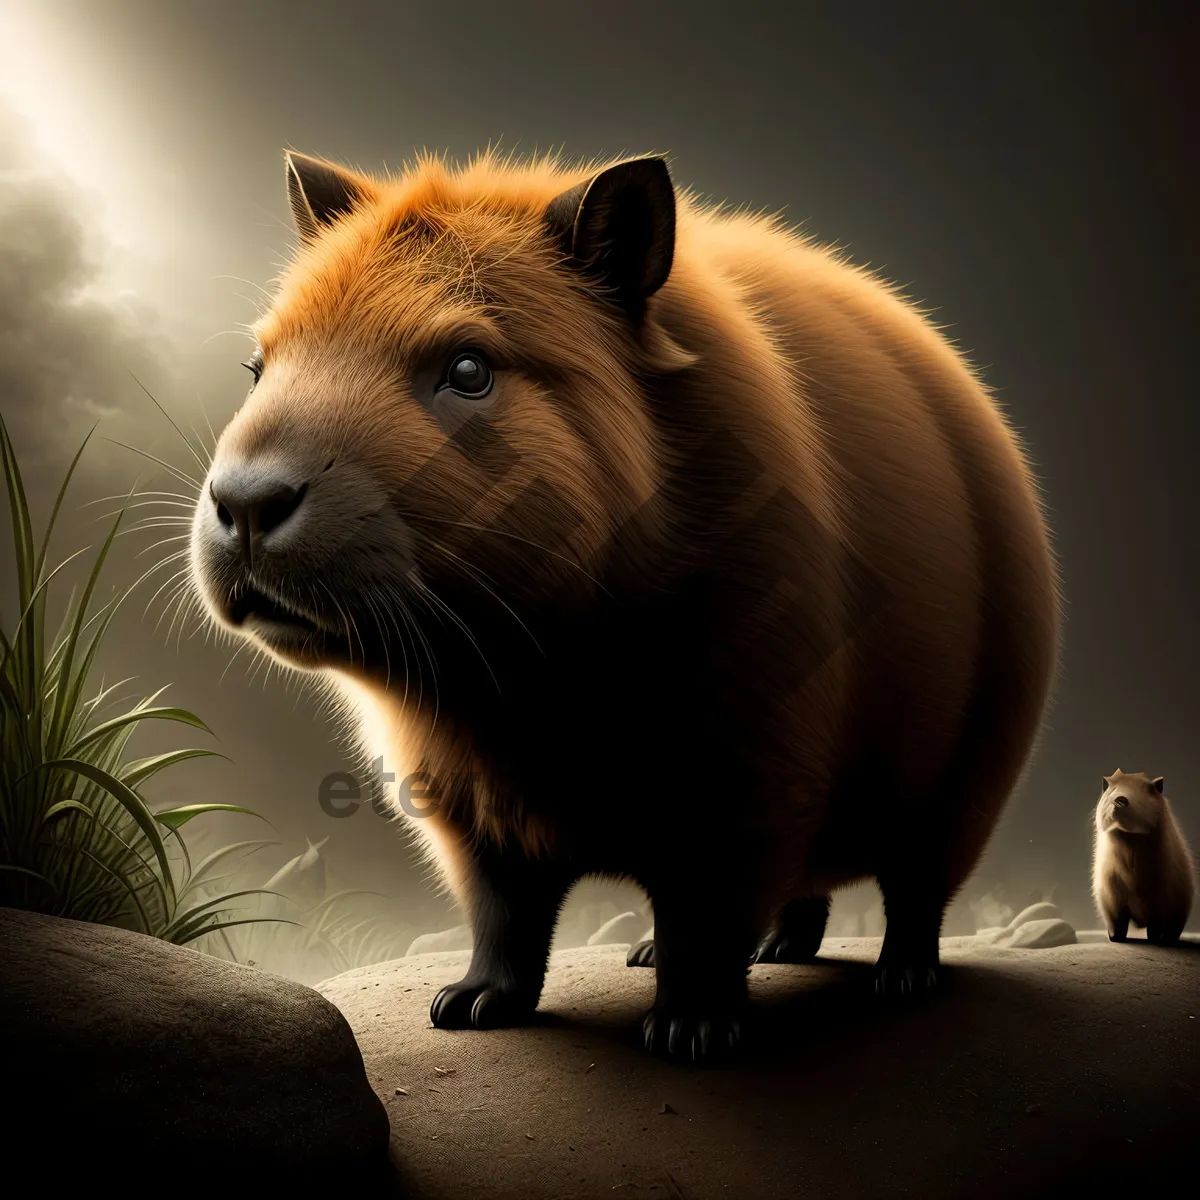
point(1157, 784)
point(321, 192)
point(618, 228)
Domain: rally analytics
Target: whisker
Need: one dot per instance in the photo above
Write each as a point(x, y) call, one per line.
point(248, 282)
point(243, 644)
point(474, 573)
point(188, 504)
point(212, 337)
point(174, 606)
point(432, 595)
point(207, 422)
point(383, 638)
point(179, 474)
point(163, 542)
point(165, 520)
point(390, 613)
point(420, 643)
point(337, 604)
point(183, 436)
point(429, 654)
point(190, 499)
point(161, 588)
point(417, 518)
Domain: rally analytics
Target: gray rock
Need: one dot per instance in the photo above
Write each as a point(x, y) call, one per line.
point(112, 1038)
point(623, 930)
point(458, 938)
point(1036, 935)
point(1042, 911)
point(577, 922)
point(993, 933)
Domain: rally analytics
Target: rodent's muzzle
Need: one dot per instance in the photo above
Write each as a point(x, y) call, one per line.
point(1117, 814)
point(252, 523)
point(283, 549)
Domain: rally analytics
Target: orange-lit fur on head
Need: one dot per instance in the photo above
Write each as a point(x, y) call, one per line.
point(438, 259)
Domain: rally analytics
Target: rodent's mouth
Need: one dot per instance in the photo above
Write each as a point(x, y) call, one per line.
point(256, 607)
point(299, 635)
point(1114, 822)
point(297, 630)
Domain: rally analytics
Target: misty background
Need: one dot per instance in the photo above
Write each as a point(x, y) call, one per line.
point(1027, 170)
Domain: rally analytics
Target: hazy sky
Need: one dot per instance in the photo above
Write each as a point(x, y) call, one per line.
point(1027, 169)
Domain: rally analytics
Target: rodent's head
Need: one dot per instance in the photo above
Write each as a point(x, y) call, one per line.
point(1130, 803)
point(448, 398)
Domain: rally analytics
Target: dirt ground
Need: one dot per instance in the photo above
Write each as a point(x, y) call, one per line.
point(1032, 1070)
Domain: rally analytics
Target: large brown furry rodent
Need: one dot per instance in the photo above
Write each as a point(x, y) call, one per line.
point(664, 543)
point(1142, 870)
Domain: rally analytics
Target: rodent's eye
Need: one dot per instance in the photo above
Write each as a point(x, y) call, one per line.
point(468, 375)
point(254, 364)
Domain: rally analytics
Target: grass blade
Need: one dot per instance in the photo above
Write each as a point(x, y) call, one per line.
point(177, 817)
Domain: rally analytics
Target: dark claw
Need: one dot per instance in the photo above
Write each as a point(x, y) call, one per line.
point(700, 1040)
point(641, 954)
point(478, 1006)
point(784, 949)
point(893, 982)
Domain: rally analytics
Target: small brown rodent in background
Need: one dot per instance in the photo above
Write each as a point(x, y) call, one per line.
point(1142, 870)
point(673, 547)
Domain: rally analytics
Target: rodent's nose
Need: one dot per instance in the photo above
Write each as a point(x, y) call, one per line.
point(254, 504)
point(1119, 802)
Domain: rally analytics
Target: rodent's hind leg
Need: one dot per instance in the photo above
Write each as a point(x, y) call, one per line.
point(795, 936)
point(908, 961)
point(797, 932)
point(514, 902)
point(702, 944)
point(1163, 935)
point(1118, 926)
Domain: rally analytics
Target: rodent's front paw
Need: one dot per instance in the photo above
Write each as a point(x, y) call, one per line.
point(691, 1037)
point(466, 1005)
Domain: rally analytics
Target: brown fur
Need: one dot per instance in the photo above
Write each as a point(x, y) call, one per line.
point(1142, 870)
point(744, 691)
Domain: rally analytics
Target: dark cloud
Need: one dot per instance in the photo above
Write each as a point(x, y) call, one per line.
point(68, 349)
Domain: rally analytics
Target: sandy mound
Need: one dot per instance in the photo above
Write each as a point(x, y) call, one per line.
point(1033, 1067)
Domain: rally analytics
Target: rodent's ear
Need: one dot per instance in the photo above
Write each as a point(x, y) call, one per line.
point(618, 228)
point(1157, 784)
point(321, 192)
